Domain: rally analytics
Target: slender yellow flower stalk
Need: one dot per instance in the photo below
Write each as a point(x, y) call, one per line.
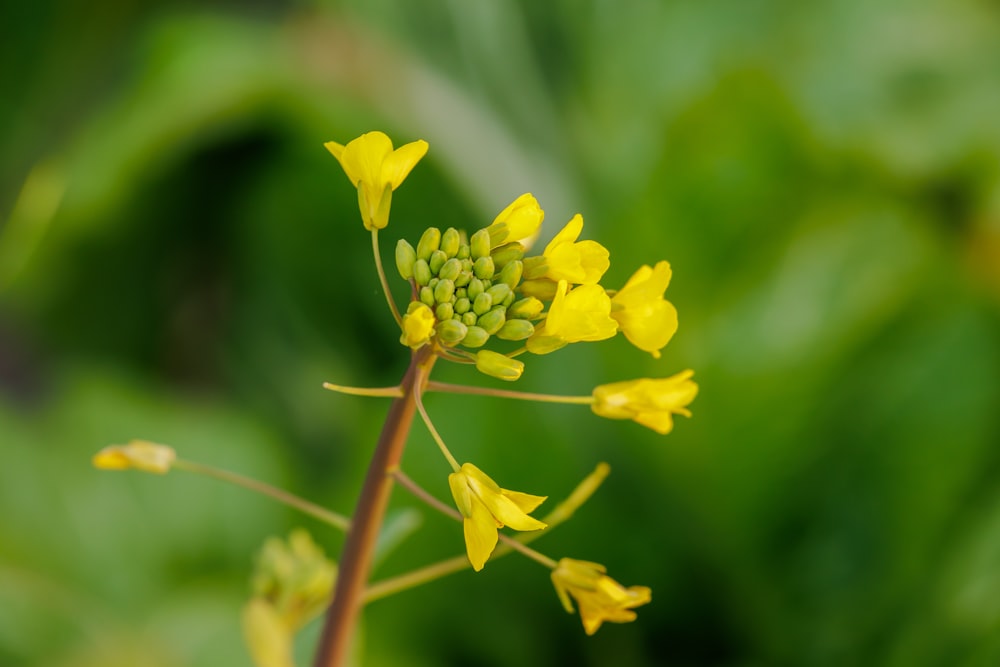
point(598, 597)
point(136, 455)
point(652, 403)
point(643, 315)
point(486, 507)
point(375, 169)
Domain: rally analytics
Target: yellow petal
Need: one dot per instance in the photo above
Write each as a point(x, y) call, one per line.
point(137, 454)
point(526, 502)
point(480, 536)
point(399, 163)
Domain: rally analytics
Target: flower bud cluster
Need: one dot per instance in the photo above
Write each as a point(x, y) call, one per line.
point(469, 285)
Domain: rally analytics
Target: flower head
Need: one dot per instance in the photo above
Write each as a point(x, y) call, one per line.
point(652, 403)
point(599, 597)
point(565, 258)
point(375, 169)
point(520, 220)
point(137, 454)
point(644, 316)
point(581, 314)
point(485, 507)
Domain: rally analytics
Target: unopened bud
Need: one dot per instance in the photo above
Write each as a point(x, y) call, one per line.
point(499, 366)
point(479, 244)
point(516, 330)
point(405, 257)
point(475, 337)
point(451, 332)
point(526, 308)
point(450, 241)
point(430, 240)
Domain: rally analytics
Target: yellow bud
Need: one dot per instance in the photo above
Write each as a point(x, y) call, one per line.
point(418, 325)
point(499, 366)
point(137, 455)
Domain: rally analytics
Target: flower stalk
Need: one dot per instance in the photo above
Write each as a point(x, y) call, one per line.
point(356, 558)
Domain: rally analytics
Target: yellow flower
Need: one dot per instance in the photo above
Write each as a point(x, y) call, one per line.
point(376, 170)
point(418, 325)
point(643, 315)
point(578, 263)
point(520, 221)
point(582, 314)
point(137, 454)
point(485, 508)
point(599, 597)
point(652, 403)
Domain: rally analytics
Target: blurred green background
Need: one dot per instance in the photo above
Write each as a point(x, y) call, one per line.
point(182, 261)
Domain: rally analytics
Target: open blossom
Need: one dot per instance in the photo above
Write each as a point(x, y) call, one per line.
point(376, 170)
point(580, 314)
point(644, 316)
point(485, 507)
point(137, 455)
point(598, 597)
point(652, 403)
point(520, 221)
point(565, 258)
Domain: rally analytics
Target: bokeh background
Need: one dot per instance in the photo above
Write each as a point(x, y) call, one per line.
point(181, 260)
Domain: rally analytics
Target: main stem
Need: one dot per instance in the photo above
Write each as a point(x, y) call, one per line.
point(355, 560)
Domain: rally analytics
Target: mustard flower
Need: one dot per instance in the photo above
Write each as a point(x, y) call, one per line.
point(138, 455)
point(521, 220)
point(565, 258)
point(643, 315)
point(418, 325)
point(652, 403)
point(599, 597)
point(375, 169)
point(486, 507)
point(580, 314)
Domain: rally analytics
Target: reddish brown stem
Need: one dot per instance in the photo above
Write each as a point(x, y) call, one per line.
point(355, 561)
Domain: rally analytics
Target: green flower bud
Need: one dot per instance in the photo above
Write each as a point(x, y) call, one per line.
point(444, 291)
point(506, 254)
point(421, 272)
point(469, 318)
point(511, 273)
point(526, 308)
point(437, 260)
point(427, 295)
point(498, 292)
point(507, 300)
point(463, 278)
point(461, 293)
point(516, 330)
point(451, 269)
point(534, 267)
point(483, 268)
point(480, 244)
point(499, 366)
point(430, 240)
point(475, 288)
point(405, 257)
point(444, 311)
point(543, 289)
point(462, 305)
point(475, 337)
point(451, 332)
point(450, 241)
point(432, 283)
point(493, 320)
point(482, 304)
point(463, 251)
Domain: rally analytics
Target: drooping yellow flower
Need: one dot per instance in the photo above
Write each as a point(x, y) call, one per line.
point(599, 597)
point(485, 507)
point(565, 258)
point(644, 316)
point(520, 221)
point(418, 325)
point(138, 455)
point(581, 314)
point(652, 403)
point(376, 170)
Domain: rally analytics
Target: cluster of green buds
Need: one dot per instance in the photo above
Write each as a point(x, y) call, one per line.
point(469, 285)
